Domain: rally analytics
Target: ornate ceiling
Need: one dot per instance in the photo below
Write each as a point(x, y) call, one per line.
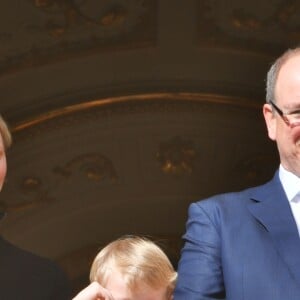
point(123, 112)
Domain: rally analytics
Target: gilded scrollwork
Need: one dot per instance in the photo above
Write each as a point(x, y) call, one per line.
point(93, 166)
point(33, 191)
point(244, 25)
point(176, 156)
point(112, 17)
point(52, 30)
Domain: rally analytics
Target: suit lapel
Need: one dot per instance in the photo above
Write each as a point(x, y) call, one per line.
point(271, 208)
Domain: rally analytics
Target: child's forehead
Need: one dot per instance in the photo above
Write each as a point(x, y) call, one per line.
point(118, 286)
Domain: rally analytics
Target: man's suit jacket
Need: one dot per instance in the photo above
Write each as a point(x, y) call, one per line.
point(241, 246)
point(24, 275)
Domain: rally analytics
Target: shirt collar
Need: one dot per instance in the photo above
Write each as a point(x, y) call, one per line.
point(290, 183)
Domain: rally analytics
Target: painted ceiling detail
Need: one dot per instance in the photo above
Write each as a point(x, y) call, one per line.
point(242, 25)
point(176, 156)
point(94, 167)
point(50, 30)
point(34, 192)
point(109, 18)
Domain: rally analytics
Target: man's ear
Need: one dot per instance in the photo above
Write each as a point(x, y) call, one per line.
point(270, 121)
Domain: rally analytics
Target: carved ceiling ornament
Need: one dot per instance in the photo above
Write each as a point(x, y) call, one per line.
point(176, 156)
point(52, 30)
point(137, 102)
point(111, 16)
point(35, 193)
point(248, 26)
point(94, 166)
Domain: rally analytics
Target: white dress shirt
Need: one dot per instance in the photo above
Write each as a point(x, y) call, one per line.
point(291, 186)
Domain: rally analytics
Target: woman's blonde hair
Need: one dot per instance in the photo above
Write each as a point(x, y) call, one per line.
point(5, 133)
point(139, 260)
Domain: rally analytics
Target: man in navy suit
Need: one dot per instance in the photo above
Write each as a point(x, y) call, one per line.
point(246, 245)
point(23, 275)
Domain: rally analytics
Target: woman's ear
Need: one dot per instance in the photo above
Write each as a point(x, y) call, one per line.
point(270, 121)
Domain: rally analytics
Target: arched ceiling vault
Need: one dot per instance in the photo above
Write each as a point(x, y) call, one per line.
point(125, 111)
